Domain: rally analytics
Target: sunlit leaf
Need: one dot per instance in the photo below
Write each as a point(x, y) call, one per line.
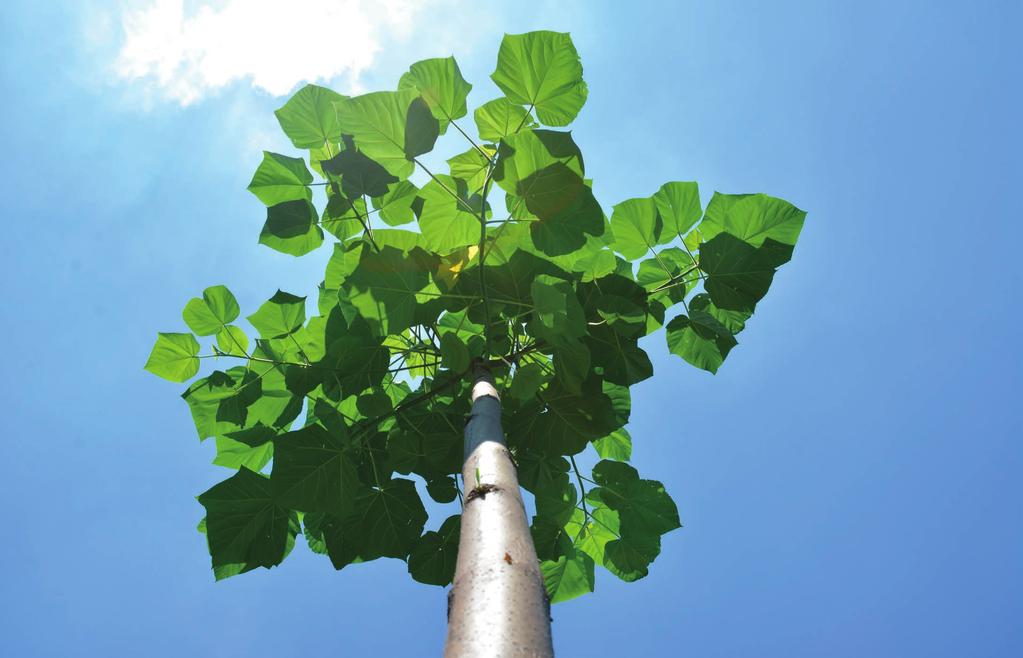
point(542, 70)
point(174, 357)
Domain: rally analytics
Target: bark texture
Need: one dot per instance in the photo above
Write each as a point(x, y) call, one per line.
point(498, 604)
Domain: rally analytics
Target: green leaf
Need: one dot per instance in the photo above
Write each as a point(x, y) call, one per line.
point(432, 559)
point(244, 523)
point(378, 124)
point(542, 69)
point(232, 340)
point(174, 357)
point(208, 315)
point(421, 129)
point(472, 167)
point(500, 118)
point(593, 536)
point(643, 505)
point(700, 339)
point(635, 226)
point(383, 287)
point(673, 268)
point(525, 168)
point(529, 377)
point(309, 119)
point(740, 274)
point(235, 454)
point(569, 576)
point(359, 174)
point(441, 85)
point(391, 519)
point(617, 446)
point(454, 353)
point(280, 178)
point(343, 216)
point(557, 317)
point(621, 358)
point(395, 207)
point(283, 314)
point(292, 228)
point(445, 222)
point(752, 218)
point(679, 207)
point(442, 490)
point(734, 321)
point(314, 471)
point(630, 556)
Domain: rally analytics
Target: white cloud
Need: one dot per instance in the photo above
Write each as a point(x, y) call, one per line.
point(185, 55)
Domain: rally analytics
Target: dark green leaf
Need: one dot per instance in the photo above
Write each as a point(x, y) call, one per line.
point(314, 471)
point(432, 559)
point(391, 519)
point(244, 523)
point(292, 228)
point(700, 339)
point(359, 174)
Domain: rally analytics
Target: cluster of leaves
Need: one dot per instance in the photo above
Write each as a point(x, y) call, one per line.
point(374, 386)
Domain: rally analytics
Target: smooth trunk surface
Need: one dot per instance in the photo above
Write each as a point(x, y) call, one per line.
point(498, 604)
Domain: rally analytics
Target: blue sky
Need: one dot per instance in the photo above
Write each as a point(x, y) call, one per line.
point(849, 481)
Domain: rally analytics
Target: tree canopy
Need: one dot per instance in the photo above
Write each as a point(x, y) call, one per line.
point(506, 257)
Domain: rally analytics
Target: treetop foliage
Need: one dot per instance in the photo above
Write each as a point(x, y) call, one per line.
point(326, 417)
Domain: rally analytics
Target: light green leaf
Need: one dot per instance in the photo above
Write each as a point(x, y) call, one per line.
point(395, 207)
point(232, 340)
point(445, 222)
point(208, 315)
point(283, 314)
point(309, 119)
point(441, 85)
point(542, 69)
point(174, 357)
point(432, 559)
point(472, 167)
point(292, 228)
point(378, 124)
point(235, 454)
point(280, 178)
point(617, 446)
point(501, 118)
point(569, 576)
point(752, 218)
point(679, 207)
point(635, 226)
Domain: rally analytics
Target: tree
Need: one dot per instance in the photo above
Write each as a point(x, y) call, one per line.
point(521, 310)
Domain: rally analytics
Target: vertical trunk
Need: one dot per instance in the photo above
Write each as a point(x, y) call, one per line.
point(498, 605)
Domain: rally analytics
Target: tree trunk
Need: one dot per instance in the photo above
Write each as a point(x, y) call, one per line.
point(498, 604)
